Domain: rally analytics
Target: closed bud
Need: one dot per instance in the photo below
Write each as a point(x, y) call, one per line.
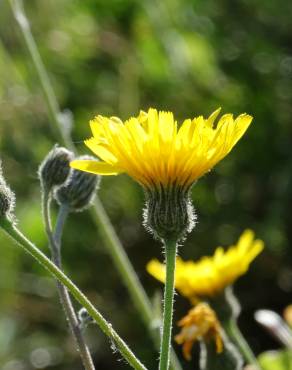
point(7, 199)
point(55, 168)
point(79, 190)
point(169, 213)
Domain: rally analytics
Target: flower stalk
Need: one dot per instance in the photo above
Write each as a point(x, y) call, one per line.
point(234, 332)
point(229, 359)
point(55, 247)
point(170, 253)
point(105, 326)
point(231, 327)
point(228, 309)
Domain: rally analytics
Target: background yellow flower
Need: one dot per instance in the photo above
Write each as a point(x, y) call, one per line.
point(210, 275)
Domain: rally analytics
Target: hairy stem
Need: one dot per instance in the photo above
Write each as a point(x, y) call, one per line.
point(62, 217)
point(105, 326)
point(170, 252)
point(55, 247)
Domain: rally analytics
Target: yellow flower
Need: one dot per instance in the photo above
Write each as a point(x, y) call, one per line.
point(288, 315)
point(211, 275)
point(155, 152)
point(200, 323)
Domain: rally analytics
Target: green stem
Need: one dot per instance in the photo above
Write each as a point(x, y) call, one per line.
point(233, 330)
point(122, 263)
point(112, 242)
point(50, 97)
point(235, 334)
point(170, 252)
point(55, 247)
point(61, 219)
point(106, 327)
point(229, 359)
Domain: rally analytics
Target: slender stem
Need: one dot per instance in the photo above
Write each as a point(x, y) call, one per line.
point(55, 246)
point(233, 330)
point(122, 263)
point(112, 243)
point(170, 252)
point(229, 359)
point(49, 95)
point(235, 334)
point(62, 217)
point(105, 326)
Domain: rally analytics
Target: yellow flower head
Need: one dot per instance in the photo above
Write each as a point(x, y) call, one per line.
point(155, 152)
point(200, 323)
point(164, 157)
point(211, 275)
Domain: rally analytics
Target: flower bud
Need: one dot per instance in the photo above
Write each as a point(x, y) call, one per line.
point(55, 168)
point(79, 190)
point(7, 198)
point(169, 213)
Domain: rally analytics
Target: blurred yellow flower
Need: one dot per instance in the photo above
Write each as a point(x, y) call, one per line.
point(210, 275)
point(155, 152)
point(288, 315)
point(200, 323)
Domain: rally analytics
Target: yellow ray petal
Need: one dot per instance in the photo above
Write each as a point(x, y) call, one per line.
point(211, 119)
point(151, 149)
point(96, 126)
point(96, 167)
point(100, 150)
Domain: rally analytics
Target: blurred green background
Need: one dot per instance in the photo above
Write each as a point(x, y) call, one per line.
point(116, 57)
